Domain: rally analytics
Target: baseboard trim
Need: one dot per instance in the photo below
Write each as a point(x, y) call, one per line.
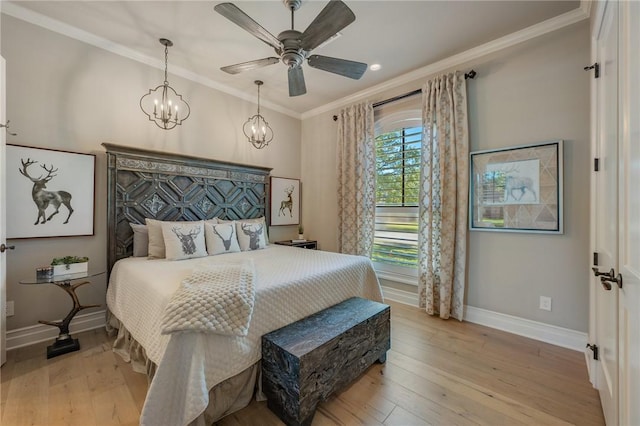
point(547, 333)
point(400, 296)
point(31, 335)
point(559, 336)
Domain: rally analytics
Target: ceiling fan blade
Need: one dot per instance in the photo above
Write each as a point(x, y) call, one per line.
point(335, 16)
point(238, 17)
point(246, 66)
point(296, 81)
point(343, 67)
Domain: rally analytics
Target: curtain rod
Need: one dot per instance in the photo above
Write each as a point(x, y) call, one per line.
point(471, 74)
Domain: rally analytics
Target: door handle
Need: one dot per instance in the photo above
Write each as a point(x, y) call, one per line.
point(4, 248)
point(606, 278)
point(597, 272)
point(611, 279)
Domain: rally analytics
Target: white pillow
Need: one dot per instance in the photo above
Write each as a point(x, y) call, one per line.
point(156, 240)
point(184, 240)
point(140, 240)
point(251, 235)
point(221, 238)
point(261, 219)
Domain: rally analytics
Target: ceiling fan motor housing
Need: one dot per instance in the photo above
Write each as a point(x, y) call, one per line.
point(292, 54)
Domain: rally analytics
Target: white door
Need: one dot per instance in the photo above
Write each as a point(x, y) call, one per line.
point(606, 213)
point(629, 215)
point(3, 253)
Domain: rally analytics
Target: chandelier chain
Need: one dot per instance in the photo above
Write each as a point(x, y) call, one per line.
point(166, 61)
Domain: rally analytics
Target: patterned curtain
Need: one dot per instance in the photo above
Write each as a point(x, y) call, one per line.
point(356, 180)
point(442, 239)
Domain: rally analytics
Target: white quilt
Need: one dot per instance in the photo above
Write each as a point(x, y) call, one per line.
point(290, 284)
point(213, 299)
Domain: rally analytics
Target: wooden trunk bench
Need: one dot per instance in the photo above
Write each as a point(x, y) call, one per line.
point(304, 362)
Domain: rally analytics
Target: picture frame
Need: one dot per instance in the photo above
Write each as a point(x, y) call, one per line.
point(517, 189)
point(285, 201)
point(50, 193)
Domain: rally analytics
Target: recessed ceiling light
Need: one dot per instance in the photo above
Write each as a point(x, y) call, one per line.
point(375, 67)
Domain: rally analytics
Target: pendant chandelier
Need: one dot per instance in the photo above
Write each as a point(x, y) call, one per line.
point(256, 129)
point(163, 105)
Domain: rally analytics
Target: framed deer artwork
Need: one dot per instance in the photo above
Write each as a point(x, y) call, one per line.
point(50, 193)
point(517, 189)
point(285, 201)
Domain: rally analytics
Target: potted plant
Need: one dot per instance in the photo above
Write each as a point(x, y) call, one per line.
point(300, 232)
point(69, 265)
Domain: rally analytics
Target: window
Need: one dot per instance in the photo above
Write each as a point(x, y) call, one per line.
point(398, 144)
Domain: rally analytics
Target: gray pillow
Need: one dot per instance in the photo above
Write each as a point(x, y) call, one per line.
point(140, 240)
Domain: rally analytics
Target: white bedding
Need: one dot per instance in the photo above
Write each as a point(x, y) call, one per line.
point(291, 283)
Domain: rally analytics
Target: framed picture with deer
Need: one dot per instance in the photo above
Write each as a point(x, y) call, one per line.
point(517, 189)
point(50, 193)
point(285, 201)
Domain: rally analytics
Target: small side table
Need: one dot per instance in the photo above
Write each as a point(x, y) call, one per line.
point(65, 343)
point(308, 244)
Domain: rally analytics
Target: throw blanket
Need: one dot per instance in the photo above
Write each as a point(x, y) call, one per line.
point(214, 299)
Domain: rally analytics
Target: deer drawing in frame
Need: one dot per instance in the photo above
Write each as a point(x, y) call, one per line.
point(288, 203)
point(43, 198)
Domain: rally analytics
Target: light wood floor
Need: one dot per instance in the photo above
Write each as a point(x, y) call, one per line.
point(437, 372)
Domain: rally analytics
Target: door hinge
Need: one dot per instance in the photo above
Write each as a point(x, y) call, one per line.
point(595, 258)
point(596, 68)
point(596, 164)
point(594, 348)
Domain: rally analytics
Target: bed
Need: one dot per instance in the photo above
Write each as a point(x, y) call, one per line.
point(197, 377)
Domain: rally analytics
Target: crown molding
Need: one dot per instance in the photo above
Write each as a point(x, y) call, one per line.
point(550, 25)
point(38, 19)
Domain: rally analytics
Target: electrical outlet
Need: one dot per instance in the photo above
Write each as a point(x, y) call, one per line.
point(10, 308)
point(545, 303)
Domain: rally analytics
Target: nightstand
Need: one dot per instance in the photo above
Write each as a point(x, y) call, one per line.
point(308, 244)
point(65, 343)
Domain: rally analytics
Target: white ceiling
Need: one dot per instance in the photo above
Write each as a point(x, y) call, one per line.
point(401, 36)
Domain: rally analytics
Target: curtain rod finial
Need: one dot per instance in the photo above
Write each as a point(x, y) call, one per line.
point(471, 74)
point(335, 118)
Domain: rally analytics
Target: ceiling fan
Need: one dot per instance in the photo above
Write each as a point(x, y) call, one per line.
point(293, 47)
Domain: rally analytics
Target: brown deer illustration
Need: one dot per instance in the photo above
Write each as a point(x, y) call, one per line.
point(287, 204)
point(187, 240)
point(43, 198)
point(254, 235)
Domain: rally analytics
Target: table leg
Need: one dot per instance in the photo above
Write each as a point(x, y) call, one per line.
point(64, 342)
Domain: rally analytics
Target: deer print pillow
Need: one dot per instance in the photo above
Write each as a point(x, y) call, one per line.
point(260, 219)
point(221, 238)
point(184, 240)
point(251, 236)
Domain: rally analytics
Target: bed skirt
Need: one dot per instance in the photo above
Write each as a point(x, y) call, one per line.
point(225, 398)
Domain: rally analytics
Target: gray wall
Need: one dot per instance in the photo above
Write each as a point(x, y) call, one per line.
point(65, 94)
point(533, 92)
